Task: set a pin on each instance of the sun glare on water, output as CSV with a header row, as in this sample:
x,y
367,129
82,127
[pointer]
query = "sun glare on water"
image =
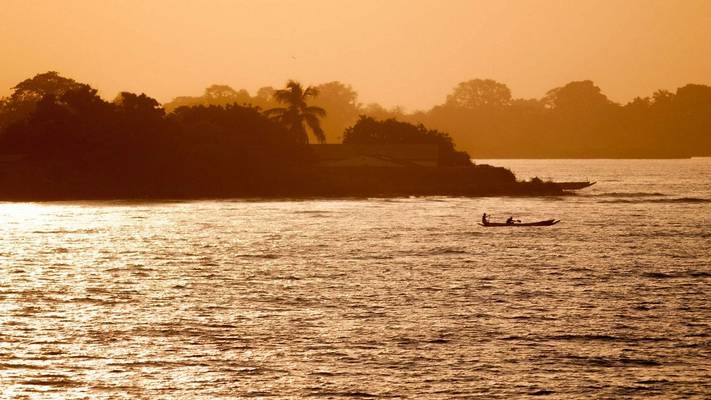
x,y
21,213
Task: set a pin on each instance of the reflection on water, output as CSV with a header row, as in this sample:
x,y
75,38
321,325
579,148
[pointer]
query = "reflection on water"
x,y
379,297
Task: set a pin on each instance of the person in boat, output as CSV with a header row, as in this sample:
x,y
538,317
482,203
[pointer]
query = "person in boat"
x,y
484,219
510,221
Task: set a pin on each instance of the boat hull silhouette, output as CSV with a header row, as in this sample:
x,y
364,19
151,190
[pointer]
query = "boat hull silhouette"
x,y
547,222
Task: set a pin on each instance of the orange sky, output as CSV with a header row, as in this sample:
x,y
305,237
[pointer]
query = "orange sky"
x,y
395,52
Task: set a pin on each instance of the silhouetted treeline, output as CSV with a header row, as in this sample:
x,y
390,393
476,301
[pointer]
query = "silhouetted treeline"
x,y
576,120
60,139
339,100
74,143
370,131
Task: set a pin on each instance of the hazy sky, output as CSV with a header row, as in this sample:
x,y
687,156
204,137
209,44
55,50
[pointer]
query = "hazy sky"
x,y
395,52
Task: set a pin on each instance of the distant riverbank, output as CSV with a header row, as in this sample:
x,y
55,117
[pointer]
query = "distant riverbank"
x,y
477,180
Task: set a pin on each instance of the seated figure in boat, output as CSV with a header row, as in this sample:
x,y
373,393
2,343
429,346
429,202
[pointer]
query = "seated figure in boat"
x,y
484,219
511,221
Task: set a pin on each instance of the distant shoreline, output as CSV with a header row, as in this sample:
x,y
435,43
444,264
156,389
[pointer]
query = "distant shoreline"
x,y
587,158
166,200
304,183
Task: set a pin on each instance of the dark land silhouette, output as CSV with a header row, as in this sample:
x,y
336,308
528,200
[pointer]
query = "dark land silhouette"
x,y
60,140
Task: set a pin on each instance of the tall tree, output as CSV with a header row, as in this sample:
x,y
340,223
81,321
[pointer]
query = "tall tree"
x,y
479,92
29,92
370,131
139,104
33,89
341,101
578,95
297,114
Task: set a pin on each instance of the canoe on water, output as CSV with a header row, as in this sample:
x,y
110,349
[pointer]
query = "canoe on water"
x,y
547,222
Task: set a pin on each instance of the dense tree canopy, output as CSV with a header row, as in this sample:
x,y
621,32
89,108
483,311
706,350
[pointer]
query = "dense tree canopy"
x,y
216,95
371,131
70,140
60,139
48,83
575,120
576,95
478,93
27,93
86,146
340,100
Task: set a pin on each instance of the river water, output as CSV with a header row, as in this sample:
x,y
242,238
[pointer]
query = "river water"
x,y
383,298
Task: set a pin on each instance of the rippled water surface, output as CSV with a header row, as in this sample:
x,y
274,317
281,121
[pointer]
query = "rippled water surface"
x,y
404,297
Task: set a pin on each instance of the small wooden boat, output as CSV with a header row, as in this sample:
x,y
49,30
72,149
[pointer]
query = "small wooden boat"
x,y
574,185
547,222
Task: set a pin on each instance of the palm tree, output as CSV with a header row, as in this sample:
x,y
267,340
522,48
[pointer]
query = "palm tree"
x,y
297,114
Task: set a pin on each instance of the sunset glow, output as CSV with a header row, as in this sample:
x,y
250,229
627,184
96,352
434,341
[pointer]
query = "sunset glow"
x,y
355,199
398,52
